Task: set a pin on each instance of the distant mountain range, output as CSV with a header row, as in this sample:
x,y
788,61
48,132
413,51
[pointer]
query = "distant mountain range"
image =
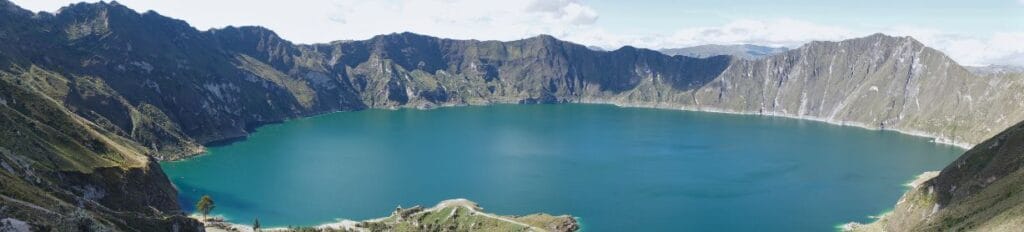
x,y
995,69
92,96
742,51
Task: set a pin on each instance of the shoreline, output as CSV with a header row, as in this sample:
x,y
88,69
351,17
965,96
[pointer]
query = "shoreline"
x,y
664,106
344,224
337,224
225,225
934,138
873,225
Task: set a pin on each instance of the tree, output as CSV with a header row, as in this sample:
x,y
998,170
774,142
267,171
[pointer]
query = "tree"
x,y
205,205
256,225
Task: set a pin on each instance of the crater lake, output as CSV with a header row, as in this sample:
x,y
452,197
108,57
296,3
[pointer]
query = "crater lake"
x,y
616,169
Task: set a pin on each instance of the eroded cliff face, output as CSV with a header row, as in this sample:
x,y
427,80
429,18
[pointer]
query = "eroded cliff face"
x,y
980,191
878,81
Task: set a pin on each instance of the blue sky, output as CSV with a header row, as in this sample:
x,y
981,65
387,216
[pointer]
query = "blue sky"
x,y
972,32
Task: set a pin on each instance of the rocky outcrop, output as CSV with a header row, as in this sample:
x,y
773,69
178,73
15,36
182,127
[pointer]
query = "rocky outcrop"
x,y
449,215
460,215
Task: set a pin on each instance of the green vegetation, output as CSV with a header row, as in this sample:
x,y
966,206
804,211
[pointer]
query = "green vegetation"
x,y
314,229
205,205
450,215
981,191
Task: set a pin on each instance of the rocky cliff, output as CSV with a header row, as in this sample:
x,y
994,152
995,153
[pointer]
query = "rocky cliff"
x,y
93,91
875,82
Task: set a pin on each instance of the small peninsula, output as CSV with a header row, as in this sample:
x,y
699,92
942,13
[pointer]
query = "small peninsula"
x,y
449,215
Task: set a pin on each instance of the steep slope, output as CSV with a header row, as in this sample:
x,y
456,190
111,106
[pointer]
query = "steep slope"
x,y
983,190
742,51
876,82
61,172
187,89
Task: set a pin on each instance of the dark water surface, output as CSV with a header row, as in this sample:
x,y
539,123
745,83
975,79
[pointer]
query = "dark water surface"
x,y
617,169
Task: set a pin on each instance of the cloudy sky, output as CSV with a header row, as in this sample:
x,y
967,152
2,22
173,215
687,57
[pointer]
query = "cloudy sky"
x,y
977,32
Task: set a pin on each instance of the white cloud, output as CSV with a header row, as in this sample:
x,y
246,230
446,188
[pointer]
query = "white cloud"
x,y
565,10
575,21
777,32
1002,48
313,21
463,19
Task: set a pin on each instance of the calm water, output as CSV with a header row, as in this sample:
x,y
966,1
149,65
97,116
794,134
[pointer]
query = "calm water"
x,y
617,169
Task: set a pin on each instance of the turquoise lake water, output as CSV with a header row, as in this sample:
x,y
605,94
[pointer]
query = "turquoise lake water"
x,y
617,169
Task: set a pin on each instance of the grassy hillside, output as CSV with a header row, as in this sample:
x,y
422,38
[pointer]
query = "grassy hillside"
x,y
449,215
983,190
62,172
